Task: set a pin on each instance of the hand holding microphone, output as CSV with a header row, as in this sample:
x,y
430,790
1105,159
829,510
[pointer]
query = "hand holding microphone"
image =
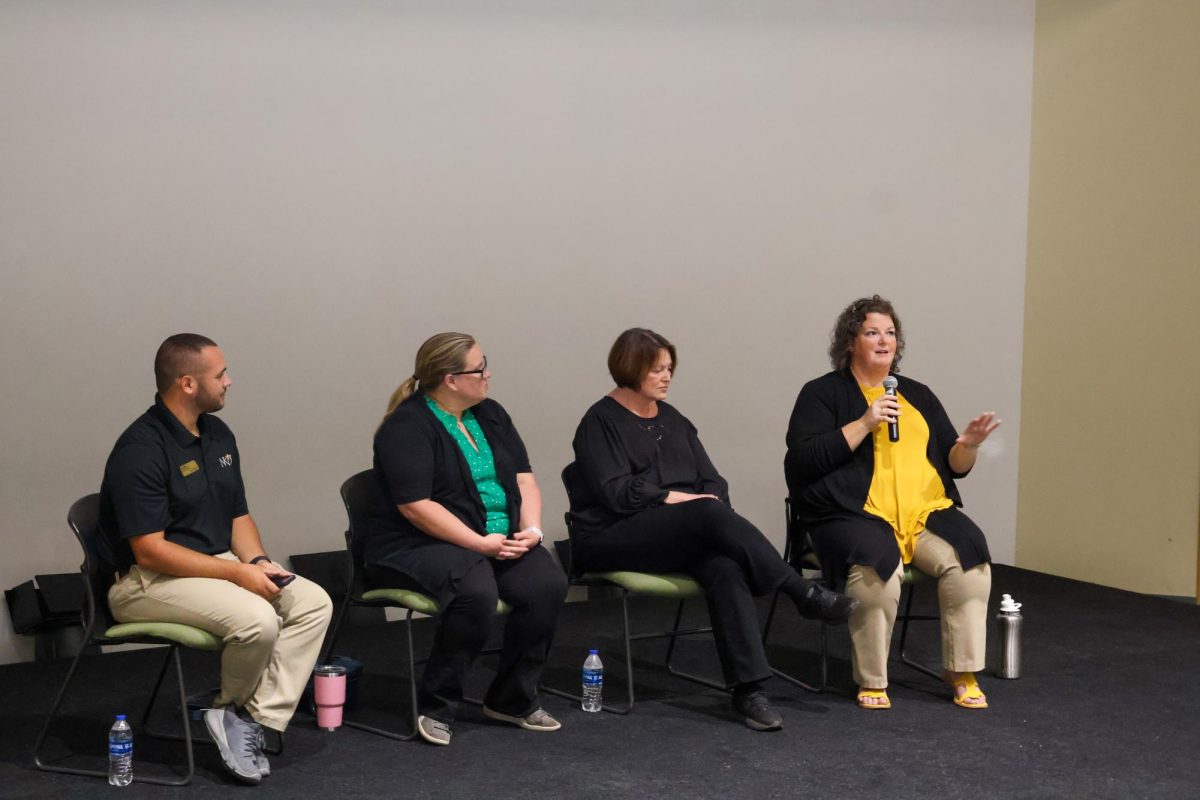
x,y
886,408
889,390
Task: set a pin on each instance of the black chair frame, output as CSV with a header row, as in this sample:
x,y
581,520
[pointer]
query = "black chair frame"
x,y
577,578
629,638
799,552
359,492
84,521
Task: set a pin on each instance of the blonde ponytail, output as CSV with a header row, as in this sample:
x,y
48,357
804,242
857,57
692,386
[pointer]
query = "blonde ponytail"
x,y
439,356
402,393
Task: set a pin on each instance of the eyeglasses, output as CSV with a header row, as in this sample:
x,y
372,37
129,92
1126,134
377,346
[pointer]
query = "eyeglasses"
x,y
479,371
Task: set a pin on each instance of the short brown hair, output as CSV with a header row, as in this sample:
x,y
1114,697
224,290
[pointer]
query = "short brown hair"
x,y
177,356
634,354
850,322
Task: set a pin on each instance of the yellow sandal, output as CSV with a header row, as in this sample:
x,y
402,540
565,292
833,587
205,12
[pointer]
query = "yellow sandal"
x,y
971,691
873,694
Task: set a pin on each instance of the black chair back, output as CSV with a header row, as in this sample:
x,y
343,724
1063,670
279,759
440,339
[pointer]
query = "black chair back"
x,y
360,494
794,533
798,549
570,477
96,570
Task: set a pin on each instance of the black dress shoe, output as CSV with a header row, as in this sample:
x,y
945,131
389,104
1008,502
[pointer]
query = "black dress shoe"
x,y
821,603
755,710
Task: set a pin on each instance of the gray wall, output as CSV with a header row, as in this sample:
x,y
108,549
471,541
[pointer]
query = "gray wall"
x,y
319,186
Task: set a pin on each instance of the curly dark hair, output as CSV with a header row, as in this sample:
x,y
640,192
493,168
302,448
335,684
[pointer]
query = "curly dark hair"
x,y
849,323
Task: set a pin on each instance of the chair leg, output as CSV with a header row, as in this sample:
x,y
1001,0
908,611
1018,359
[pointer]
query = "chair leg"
x,y
335,631
37,748
909,616
687,676
792,679
412,692
628,639
629,690
144,723
273,749
172,655
138,778
629,695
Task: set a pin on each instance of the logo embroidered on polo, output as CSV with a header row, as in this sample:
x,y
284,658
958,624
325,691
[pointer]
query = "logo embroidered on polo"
x,y
189,468
226,460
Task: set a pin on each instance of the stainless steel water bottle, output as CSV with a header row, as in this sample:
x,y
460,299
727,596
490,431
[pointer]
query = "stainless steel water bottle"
x,y
1008,621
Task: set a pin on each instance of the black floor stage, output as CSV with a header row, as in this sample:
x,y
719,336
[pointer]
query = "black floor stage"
x,y
1107,708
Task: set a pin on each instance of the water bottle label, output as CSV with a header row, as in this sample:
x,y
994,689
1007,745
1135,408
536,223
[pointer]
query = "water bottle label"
x,y
119,749
593,678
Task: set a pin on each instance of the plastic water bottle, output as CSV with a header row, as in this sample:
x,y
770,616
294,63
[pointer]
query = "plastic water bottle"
x,y
120,753
593,682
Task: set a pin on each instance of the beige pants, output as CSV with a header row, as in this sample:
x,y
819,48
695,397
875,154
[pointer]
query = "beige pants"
x,y
270,646
962,597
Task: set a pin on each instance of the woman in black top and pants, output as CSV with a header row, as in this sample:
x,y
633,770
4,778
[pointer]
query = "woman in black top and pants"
x,y
459,519
646,497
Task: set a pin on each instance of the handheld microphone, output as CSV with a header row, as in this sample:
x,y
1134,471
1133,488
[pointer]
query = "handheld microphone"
x,y
889,388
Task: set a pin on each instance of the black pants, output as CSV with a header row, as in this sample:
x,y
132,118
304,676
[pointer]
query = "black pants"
x,y
535,587
723,551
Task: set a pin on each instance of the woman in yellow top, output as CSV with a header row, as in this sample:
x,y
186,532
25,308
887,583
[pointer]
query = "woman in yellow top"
x,y
871,504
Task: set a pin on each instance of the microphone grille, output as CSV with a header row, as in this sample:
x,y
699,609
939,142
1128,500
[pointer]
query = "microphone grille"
x,y
890,382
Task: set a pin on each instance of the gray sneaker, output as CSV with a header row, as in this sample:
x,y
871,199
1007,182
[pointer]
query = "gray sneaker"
x,y
238,742
260,753
537,720
433,731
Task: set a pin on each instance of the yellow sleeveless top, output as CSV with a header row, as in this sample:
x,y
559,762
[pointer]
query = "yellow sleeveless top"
x,y
905,488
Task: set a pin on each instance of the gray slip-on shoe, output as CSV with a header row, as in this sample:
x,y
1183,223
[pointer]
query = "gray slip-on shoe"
x,y
537,720
433,731
238,742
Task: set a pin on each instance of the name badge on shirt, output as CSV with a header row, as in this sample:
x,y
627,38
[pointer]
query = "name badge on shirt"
x,y
189,468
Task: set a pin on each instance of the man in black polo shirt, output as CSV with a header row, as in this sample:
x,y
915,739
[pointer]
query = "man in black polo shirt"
x,y
173,509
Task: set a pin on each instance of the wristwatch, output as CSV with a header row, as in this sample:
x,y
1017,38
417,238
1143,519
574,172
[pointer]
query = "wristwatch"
x,y
538,531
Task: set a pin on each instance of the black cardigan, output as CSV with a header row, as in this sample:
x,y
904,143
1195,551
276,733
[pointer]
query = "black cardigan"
x,y
417,459
625,464
828,482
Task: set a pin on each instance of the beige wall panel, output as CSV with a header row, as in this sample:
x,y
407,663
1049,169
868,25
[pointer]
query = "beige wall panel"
x,y
1110,447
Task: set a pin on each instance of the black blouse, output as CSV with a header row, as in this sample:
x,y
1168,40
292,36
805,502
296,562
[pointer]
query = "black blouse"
x,y
417,459
625,463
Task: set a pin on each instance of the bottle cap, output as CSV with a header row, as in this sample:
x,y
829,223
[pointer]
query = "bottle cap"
x,y
593,652
1007,606
121,717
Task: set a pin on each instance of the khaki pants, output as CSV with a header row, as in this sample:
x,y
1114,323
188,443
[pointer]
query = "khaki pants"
x,y
270,646
962,597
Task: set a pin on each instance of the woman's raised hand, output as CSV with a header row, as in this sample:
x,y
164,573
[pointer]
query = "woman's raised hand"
x,y
978,430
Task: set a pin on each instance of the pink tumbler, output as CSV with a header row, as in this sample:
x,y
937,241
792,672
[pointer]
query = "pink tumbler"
x,y
329,690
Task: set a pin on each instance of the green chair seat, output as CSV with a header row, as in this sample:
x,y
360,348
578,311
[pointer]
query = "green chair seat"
x,y
185,635
421,603
653,584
